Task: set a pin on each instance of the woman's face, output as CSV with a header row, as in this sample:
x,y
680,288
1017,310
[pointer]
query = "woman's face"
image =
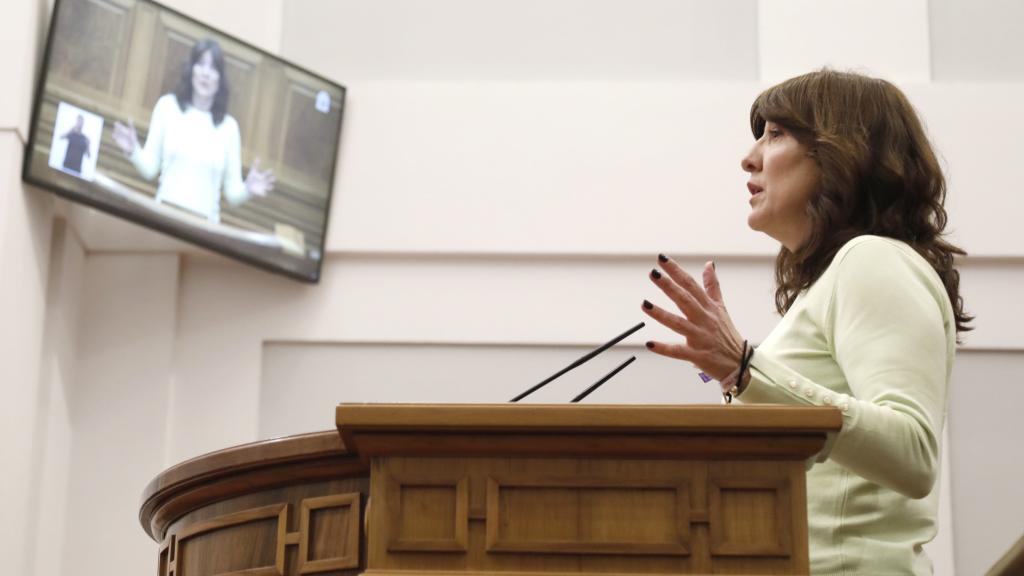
x,y
782,179
205,78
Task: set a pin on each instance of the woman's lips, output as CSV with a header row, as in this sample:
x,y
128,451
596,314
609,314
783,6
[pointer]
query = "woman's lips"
x,y
755,191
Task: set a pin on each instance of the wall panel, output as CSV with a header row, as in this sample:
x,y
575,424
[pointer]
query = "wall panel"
x,y
561,40
888,39
117,409
976,41
985,428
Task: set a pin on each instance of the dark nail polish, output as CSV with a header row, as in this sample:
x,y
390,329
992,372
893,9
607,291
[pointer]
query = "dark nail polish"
x,y
650,345
662,258
713,267
648,305
655,274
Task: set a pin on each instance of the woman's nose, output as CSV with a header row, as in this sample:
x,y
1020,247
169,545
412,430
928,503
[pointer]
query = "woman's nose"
x,y
751,161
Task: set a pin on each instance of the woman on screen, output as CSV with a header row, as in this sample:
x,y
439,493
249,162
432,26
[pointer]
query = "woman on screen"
x,y
842,175
193,143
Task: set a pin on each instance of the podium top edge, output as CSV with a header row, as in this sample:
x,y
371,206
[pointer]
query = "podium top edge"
x,y
590,417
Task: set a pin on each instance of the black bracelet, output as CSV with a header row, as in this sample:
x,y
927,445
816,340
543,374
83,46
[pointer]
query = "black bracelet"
x,y
744,366
735,387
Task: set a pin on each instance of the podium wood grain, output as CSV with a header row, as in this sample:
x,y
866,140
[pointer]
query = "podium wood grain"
x,y
533,489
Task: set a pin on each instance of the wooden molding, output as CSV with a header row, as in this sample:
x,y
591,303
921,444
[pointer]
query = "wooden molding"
x,y
680,445
594,418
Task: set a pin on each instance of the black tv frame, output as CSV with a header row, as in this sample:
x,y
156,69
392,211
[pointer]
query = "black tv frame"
x,y
157,224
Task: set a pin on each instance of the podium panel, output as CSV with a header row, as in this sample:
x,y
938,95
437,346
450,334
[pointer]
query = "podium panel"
x,y
573,516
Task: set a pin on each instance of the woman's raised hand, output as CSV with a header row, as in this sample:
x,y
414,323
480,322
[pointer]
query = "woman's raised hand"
x,y
259,182
125,137
712,343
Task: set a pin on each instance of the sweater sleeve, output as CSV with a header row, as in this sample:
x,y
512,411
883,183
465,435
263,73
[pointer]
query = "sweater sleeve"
x,y
234,186
147,158
884,324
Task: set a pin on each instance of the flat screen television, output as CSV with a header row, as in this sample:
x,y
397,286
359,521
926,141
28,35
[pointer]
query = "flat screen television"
x,y
147,114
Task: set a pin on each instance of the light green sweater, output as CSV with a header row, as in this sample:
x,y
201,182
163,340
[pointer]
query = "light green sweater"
x,y
874,336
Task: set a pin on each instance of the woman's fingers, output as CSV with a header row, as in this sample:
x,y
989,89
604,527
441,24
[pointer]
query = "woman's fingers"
x,y
671,321
259,182
711,285
683,279
712,342
678,351
685,300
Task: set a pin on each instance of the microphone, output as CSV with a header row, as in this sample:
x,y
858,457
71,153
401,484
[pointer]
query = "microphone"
x,y
580,361
606,378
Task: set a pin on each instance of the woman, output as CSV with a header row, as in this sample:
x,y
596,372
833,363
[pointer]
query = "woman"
x,y
193,143
843,176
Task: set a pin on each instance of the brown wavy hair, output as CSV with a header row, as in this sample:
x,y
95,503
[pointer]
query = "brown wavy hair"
x,y
879,175
183,91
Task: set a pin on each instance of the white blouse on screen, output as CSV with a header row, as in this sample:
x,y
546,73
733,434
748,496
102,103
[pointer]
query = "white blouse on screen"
x,y
196,160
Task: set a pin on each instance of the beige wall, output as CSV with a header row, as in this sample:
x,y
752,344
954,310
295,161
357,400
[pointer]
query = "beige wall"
x,y
25,221
508,170
25,234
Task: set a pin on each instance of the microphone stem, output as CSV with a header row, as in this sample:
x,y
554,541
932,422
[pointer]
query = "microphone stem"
x,y
606,378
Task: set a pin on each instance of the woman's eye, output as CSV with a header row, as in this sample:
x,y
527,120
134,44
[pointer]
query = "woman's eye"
x,y
774,133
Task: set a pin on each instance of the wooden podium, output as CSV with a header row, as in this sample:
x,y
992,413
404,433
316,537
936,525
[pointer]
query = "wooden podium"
x,y
528,489
509,490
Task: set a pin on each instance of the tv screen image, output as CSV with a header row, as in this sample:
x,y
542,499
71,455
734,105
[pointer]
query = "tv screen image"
x,y
75,144
150,115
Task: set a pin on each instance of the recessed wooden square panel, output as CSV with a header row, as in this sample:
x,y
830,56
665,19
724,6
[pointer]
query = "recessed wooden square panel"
x,y
587,516
428,515
329,533
750,517
329,530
